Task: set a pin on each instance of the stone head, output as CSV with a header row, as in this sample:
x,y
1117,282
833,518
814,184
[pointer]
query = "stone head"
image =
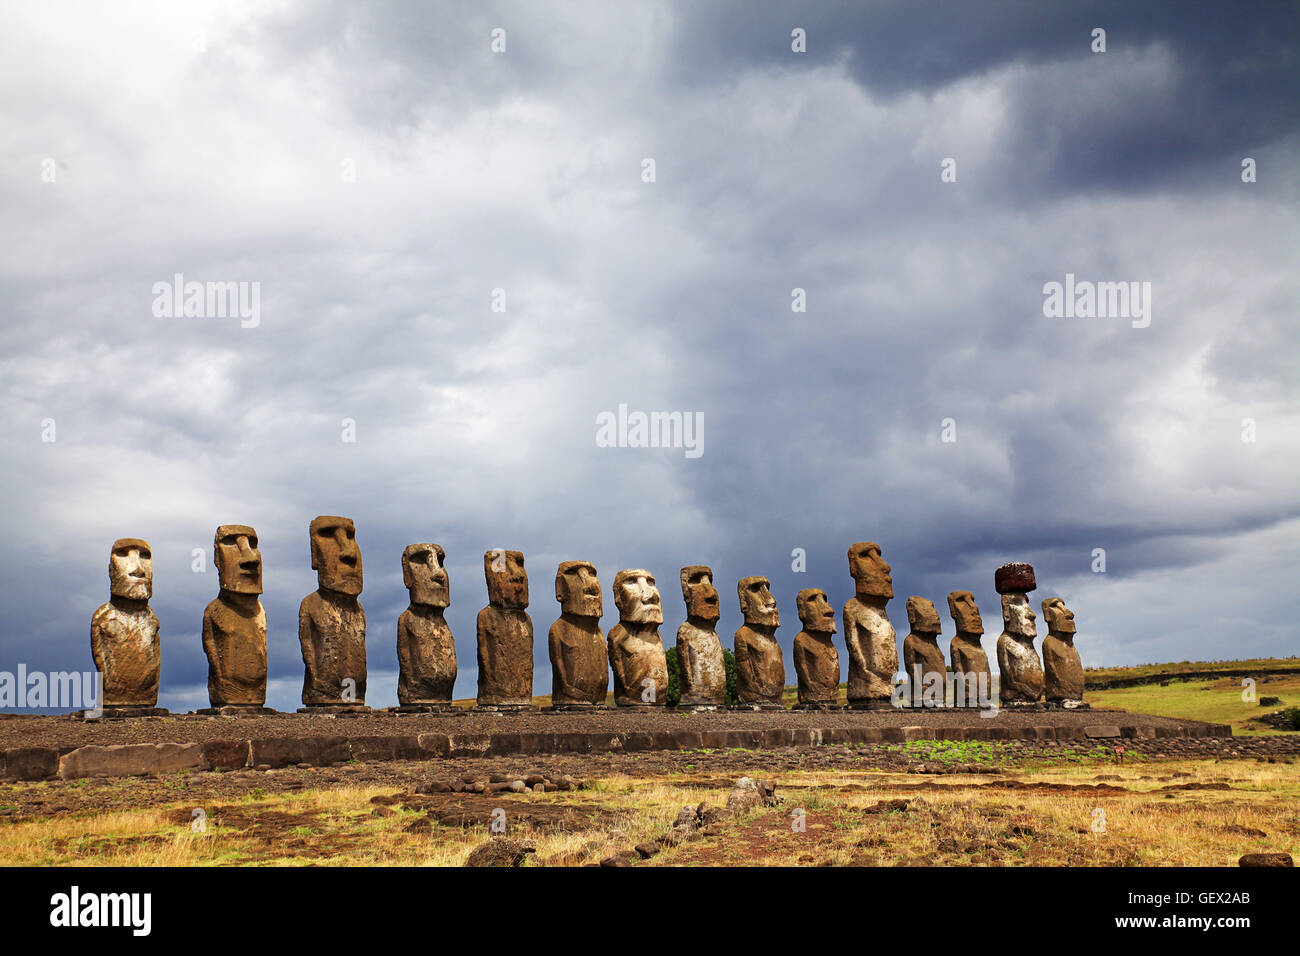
x,y
1059,617
335,557
1018,617
815,611
238,561
699,593
965,613
637,597
869,571
130,569
424,572
922,616
757,603
578,589
507,580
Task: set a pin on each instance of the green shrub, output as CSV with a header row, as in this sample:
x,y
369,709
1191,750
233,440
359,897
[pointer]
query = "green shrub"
x,y
729,660
674,677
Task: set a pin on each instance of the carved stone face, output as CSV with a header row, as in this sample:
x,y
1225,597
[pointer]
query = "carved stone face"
x,y
699,593
1017,616
961,605
507,581
922,616
239,563
424,572
815,611
1059,617
335,557
757,603
869,571
578,589
130,569
637,597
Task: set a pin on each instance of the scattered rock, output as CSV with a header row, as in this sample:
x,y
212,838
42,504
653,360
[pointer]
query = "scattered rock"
x,y
500,851
1266,859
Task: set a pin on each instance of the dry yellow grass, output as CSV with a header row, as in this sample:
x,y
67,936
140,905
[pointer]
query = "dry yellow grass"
x,y
1044,817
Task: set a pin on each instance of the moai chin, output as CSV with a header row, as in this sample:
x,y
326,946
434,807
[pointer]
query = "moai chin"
x,y
505,635
636,652
234,624
816,661
426,650
699,649
579,666
331,621
1020,674
970,664
1063,668
760,667
927,672
868,635
124,634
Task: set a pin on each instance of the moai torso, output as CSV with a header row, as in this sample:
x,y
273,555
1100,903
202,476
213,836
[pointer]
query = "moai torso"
x,y
1020,673
636,652
760,666
505,634
234,623
579,662
966,653
331,621
1063,669
124,632
699,650
816,661
868,635
426,650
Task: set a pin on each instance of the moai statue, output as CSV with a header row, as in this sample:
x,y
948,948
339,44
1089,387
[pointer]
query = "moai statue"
x,y
868,635
505,636
926,671
234,626
426,650
124,635
1020,674
636,653
579,666
704,671
760,667
816,661
969,662
331,621
1064,669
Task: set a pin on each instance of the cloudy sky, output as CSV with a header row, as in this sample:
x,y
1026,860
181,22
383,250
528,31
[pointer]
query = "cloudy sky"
x,y
379,171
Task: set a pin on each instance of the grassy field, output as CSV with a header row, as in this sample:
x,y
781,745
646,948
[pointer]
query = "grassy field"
x,y
1218,701
1084,811
1256,665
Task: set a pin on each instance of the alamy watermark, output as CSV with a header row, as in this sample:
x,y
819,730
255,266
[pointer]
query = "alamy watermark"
x,y
47,690
208,300
1085,299
626,429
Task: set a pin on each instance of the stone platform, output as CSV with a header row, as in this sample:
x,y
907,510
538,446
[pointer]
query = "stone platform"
x,y
39,748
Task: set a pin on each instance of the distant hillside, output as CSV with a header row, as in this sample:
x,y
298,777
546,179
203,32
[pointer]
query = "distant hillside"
x,y
1099,678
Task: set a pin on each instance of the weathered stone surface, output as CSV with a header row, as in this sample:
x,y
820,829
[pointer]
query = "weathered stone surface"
x,y
124,632
331,621
1062,667
30,763
1020,673
636,652
1015,578
699,650
426,650
500,851
816,661
376,747
1102,730
969,660
505,634
283,751
234,624
868,636
579,658
130,760
760,665
227,754
749,793
1266,859
923,660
